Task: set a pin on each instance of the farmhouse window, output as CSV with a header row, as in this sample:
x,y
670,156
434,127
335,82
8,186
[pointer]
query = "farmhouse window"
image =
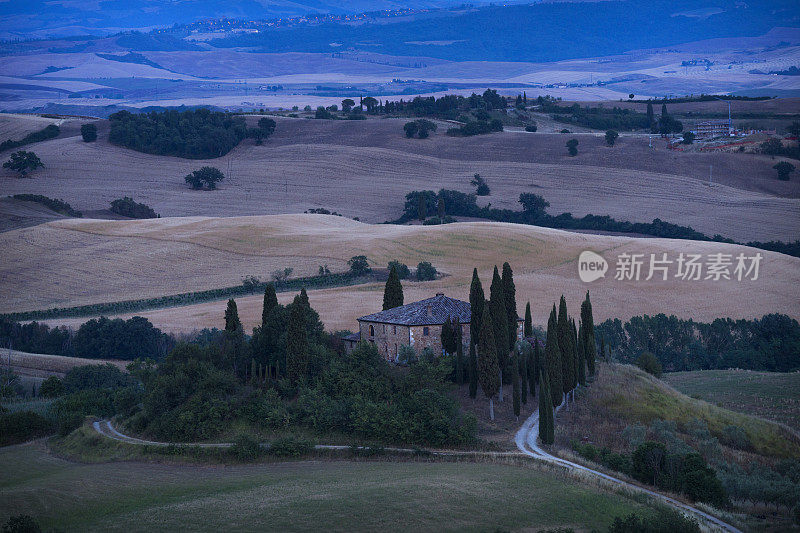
x,y
426,330
371,331
394,330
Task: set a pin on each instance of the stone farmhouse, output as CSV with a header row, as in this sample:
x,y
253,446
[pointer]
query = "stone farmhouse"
x,y
417,324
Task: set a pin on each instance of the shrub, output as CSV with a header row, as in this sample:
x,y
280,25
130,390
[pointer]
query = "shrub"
x,y
69,422
128,208
784,168
402,269
649,363
52,387
688,138
21,523
359,266
106,376
531,128
572,147
611,137
425,271
290,447
206,176
245,448
89,132
22,426
666,521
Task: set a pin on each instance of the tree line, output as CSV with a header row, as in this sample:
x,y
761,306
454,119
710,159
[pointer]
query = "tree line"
x,y
59,206
48,132
456,203
770,343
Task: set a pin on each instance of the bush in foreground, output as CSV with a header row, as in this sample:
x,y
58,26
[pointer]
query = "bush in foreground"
x,y
22,426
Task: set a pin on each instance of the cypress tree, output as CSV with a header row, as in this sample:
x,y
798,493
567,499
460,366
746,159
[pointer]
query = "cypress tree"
x,y
441,211
664,113
422,208
270,303
528,332
581,358
472,370
488,368
393,292
602,347
232,323
552,358
564,333
546,421
534,366
524,354
296,342
460,363
575,356
253,371
515,383
510,295
499,314
650,116
476,302
589,345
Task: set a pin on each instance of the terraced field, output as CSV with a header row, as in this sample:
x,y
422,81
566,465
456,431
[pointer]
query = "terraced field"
x,y
76,262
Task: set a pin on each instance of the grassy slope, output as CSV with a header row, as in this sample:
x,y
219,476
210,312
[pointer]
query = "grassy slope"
x,y
99,261
770,395
342,496
624,395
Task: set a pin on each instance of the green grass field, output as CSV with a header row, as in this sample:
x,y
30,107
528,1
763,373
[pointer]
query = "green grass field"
x,y
296,496
771,395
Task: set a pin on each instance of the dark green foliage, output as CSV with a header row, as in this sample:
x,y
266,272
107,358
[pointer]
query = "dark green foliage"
x,y
528,327
245,448
193,134
266,127
488,365
89,132
611,137
499,314
784,168
724,343
420,128
476,302
589,343
59,206
546,420
21,523
23,162
688,137
48,132
552,360
128,208
461,363
531,128
403,272
533,205
52,387
393,291
515,383
104,338
426,271
85,377
565,347
207,177
22,426
289,447
359,266
422,206
449,335
596,118
604,456
481,187
476,127
535,366
472,371
297,343
666,521
581,355
524,356
572,147
510,296
649,363
270,303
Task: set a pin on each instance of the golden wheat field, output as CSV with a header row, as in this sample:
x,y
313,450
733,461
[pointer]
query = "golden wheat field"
x,y
365,168
74,262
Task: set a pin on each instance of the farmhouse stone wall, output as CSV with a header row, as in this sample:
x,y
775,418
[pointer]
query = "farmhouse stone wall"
x,y
388,338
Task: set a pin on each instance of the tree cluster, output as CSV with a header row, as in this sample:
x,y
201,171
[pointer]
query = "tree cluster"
x,y
420,127
193,134
23,162
206,177
127,207
48,132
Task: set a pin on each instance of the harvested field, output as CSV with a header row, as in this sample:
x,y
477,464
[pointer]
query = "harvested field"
x,y
310,163
19,214
96,261
40,365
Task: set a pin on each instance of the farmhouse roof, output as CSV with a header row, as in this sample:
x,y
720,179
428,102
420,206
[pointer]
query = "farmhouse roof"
x,y
426,312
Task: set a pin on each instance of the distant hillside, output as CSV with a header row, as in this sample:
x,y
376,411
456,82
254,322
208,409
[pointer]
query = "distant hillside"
x,y
540,32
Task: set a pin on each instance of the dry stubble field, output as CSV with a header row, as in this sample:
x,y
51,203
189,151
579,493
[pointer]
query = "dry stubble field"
x,y
74,262
364,169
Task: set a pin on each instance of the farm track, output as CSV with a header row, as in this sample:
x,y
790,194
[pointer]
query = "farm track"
x,y
525,440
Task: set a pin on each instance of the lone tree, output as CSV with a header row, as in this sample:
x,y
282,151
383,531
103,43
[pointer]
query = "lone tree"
x,y
784,168
476,302
233,348
359,266
481,187
89,132
552,357
347,105
611,137
488,368
411,128
393,292
528,328
205,177
23,162
572,147
266,127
